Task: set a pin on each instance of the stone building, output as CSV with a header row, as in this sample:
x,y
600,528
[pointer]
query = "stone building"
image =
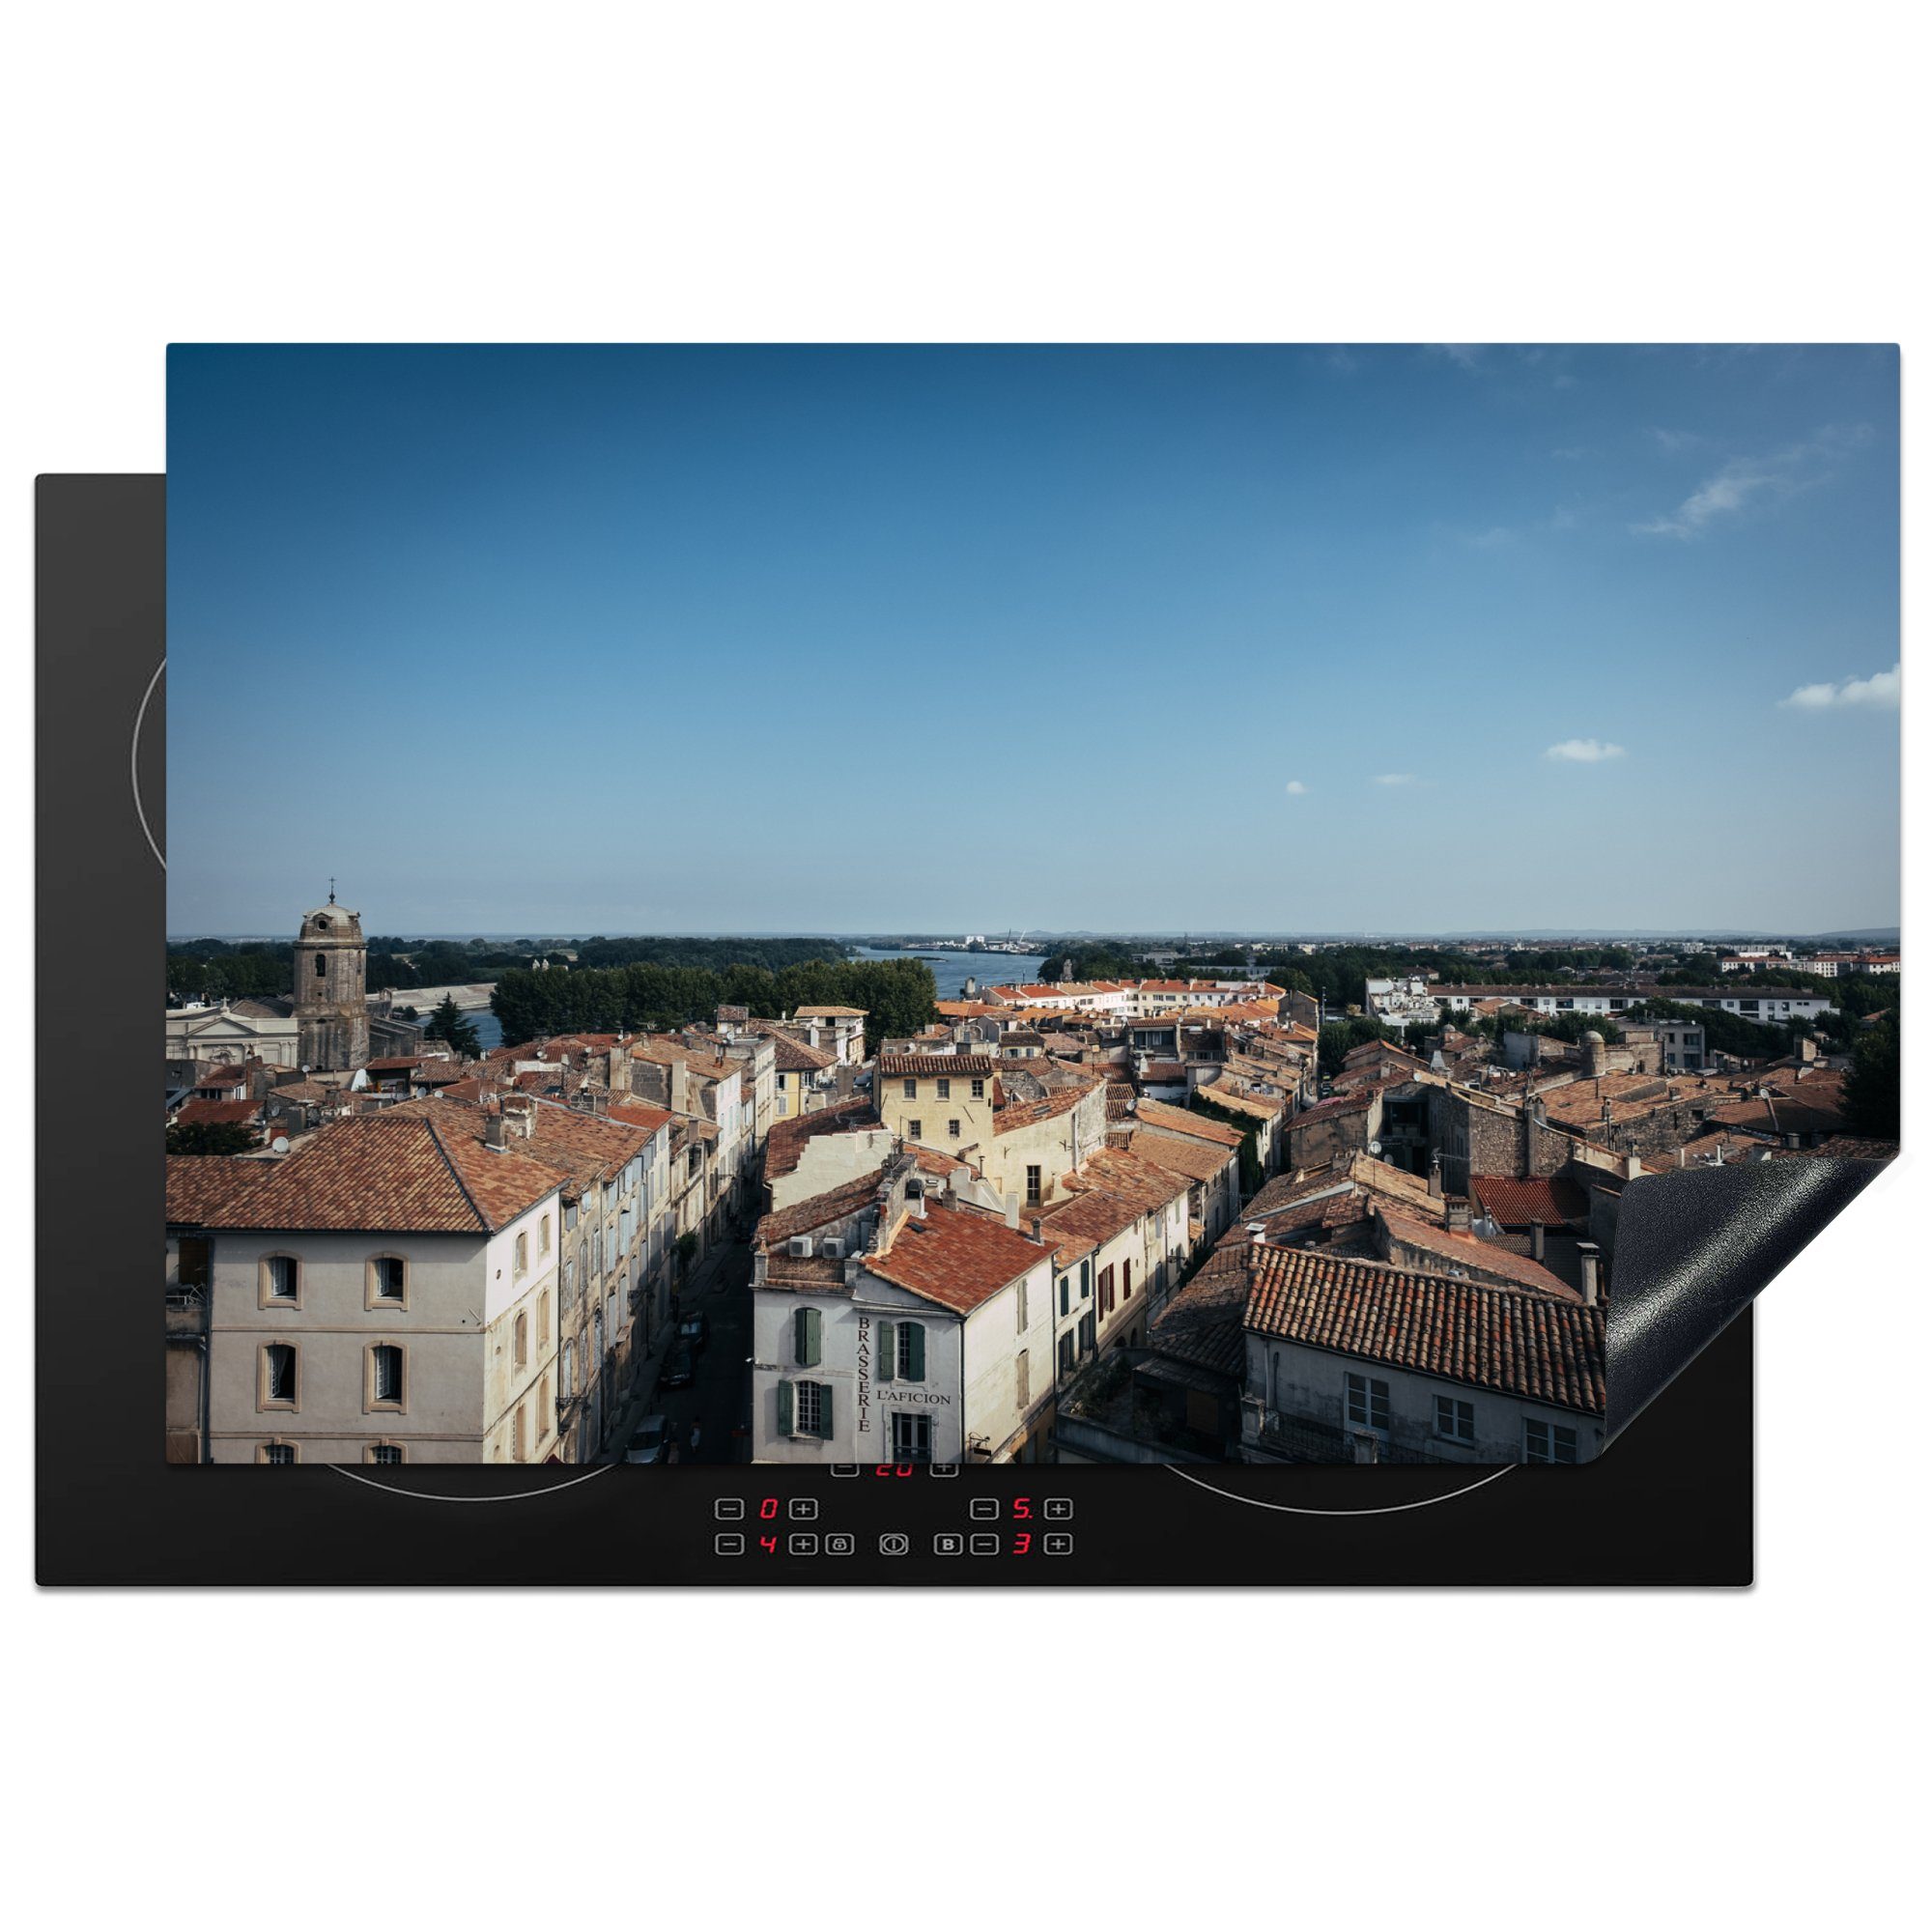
x,y
332,973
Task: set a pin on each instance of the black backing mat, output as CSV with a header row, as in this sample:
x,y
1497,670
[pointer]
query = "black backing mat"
x,y
1671,1503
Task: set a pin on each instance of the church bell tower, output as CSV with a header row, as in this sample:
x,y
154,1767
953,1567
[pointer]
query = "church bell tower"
x,y
331,983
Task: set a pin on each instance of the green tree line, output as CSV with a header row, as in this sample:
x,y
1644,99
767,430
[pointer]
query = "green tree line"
x,y
897,995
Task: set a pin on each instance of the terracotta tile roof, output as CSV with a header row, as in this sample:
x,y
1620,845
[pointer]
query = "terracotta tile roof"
x,y
640,1114
1813,1105
221,1113
1116,1171
1178,1121
1019,1114
1466,1251
395,1171
582,1147
838,1203
203,1187
1516,1203
1090,1219
784,1145
1198,1160
793,1056
955,1257
1203,1325
438,1074
1261,1106
1531,1345
936,1065
830,1013
399,1063
931,1162
1328,1110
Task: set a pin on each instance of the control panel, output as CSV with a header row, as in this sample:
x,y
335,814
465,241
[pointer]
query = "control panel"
x,y
898,1523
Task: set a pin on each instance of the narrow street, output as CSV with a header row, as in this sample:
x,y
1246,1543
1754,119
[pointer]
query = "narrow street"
x,y
719,1400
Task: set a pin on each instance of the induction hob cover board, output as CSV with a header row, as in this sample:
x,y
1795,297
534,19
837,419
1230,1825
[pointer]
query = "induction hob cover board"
x,y
962,965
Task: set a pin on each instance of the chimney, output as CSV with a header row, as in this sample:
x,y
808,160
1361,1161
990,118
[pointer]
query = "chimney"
x,y
492,1130
1456,1208
680,1087
1680,1158
1588,1254
1037,1224
1536,1240
1436,1176
1791,1140
1257,1235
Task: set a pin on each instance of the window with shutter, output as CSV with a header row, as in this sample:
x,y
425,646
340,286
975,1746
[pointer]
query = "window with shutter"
x,y
825,1413
885,1361
806,1323
784,1408
912,1352
1022,1378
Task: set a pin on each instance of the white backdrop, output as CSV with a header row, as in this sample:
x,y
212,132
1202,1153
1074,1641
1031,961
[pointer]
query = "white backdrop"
x,y
832,172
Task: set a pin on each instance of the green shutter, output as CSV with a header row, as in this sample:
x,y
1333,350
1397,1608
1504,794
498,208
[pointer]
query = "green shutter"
x,y
886,1363
915,1334
805,1337
825,1411
784,1408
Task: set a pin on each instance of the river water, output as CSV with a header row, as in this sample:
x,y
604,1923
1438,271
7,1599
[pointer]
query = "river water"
x,y
951,970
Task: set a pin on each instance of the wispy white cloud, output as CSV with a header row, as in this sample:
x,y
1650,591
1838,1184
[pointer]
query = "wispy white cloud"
x,y
1747,481
1583,752
1395,778
1464,355
1877,693
1674,440
1295,788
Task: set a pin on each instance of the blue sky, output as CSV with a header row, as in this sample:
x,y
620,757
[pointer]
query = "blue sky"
x,y
1280,640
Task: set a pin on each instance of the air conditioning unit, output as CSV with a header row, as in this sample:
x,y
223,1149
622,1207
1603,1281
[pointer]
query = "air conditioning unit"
x,y
832,1248
799,1245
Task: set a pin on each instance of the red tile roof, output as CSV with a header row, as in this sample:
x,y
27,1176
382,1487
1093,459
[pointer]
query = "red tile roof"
x,y
640,1114
1201,1325
1178,1121
1531,1345
394,1171
1198,1160
584,1148
955,1257
1467,1251
838,1203
936,1065
221,1113
1516,1203
784,1145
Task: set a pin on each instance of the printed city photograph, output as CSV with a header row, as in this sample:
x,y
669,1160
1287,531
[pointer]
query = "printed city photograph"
x,y
971,905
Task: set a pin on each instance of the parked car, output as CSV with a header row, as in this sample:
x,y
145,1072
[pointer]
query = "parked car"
x,y
680,1365
650,1440
694,1331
